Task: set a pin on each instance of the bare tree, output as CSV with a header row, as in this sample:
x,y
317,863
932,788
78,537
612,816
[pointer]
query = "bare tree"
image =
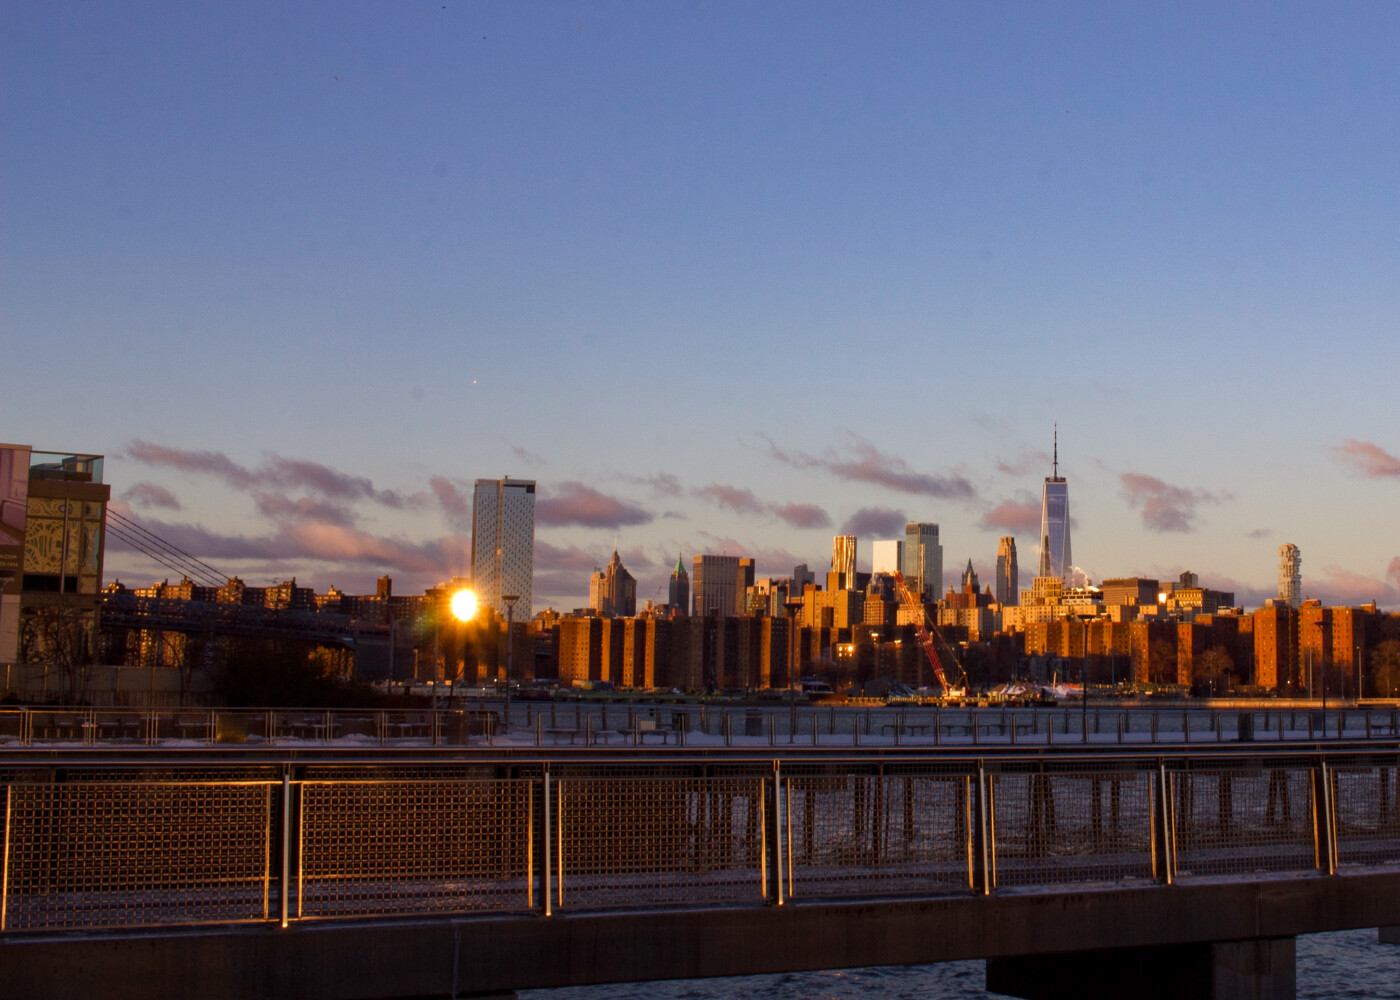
x,y
1214,671
61,637
1385,668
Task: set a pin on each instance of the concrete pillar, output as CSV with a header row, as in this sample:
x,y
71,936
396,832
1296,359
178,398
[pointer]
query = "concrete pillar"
x,y
1263,969
1388,935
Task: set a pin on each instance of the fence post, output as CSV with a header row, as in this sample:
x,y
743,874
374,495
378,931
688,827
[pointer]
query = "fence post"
x,y
982,839
5,864
547,835
1324,819
1164,832
285,890
775,847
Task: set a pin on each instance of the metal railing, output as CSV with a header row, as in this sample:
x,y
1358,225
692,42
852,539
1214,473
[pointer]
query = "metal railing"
x,y
93,845
542,724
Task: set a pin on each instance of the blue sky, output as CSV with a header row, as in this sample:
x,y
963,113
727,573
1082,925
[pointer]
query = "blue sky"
x,y
719,276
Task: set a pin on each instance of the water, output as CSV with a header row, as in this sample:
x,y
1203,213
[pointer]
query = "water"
x,y
1346,965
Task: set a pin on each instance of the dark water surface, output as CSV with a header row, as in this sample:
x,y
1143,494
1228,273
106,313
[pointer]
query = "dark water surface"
x,y
1347,964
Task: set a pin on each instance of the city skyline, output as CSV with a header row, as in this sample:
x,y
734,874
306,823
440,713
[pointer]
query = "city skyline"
x,y
305,277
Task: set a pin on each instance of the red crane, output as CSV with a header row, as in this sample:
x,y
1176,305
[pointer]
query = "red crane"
x,y
925,639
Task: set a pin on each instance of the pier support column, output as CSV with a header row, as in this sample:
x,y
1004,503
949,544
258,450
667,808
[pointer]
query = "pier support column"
x,y
1388,935
1262,969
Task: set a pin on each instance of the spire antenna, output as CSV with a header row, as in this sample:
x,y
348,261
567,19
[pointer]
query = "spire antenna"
x,y
1056,473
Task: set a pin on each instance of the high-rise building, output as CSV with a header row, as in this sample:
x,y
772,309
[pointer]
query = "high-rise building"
x,y
923,560
1055,558
713,581
969,579
1290,575
613,592
887,557
1008,576
843,560
679,594
503,543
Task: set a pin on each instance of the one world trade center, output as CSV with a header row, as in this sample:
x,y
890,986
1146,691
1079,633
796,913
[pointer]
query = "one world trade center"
x,y
1055,559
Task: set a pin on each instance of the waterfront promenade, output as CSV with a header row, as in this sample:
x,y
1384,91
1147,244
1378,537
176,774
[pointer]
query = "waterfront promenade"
x,y
359,871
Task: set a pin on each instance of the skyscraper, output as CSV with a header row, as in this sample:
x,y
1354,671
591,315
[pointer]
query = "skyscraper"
x,y
1055,558
714,579
613,592
678,596
1290,575
503,543
1008,576
843,559
887,557
923,560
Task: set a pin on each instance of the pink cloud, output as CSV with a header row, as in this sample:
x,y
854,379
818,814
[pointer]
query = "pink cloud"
x,y
1165,508
284,508
1339,586
453,503
1025,463
735,498
881,522
151,495
575,503
802,515
860,461
1367,459
1015,516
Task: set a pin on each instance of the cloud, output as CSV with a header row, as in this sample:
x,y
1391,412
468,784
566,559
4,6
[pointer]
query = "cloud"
x,y
1259,533
882,522
1393,570
1165,508
275,472
662,484
575,503
860,461
571,557
1338,586
528,457
283,508
767,561
148,495
743,501
1024,464
1020,516
802,515
1367,459
735,498
453,503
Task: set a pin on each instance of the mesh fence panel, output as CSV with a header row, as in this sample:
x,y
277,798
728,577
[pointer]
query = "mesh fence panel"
x,y
647,841
1072,826
117,855
878,833
389,847
1368,815
1244,821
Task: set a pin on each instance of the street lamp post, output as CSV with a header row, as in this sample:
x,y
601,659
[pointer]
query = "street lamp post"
x,y
510,600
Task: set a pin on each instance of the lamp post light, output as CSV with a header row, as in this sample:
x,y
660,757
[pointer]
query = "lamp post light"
x,y
510,600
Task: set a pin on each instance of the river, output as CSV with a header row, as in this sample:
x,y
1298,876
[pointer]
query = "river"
x,y
1346,965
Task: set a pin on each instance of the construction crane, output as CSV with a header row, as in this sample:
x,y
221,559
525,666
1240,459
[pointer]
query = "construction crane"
x,y
935,660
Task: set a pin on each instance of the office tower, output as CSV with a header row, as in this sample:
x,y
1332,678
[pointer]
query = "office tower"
x,y
1055,558
1290,575
923,560
1008,576
613,592
887,557
801,577
503,543
713,580
746,575
678,596
843,560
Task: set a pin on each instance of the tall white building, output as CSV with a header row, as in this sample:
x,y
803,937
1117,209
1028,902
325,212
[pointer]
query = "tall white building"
x,y
887,557
923,560
1290,575
503,543
1055,558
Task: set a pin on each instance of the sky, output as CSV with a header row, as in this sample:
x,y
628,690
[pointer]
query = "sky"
x,y
720,277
